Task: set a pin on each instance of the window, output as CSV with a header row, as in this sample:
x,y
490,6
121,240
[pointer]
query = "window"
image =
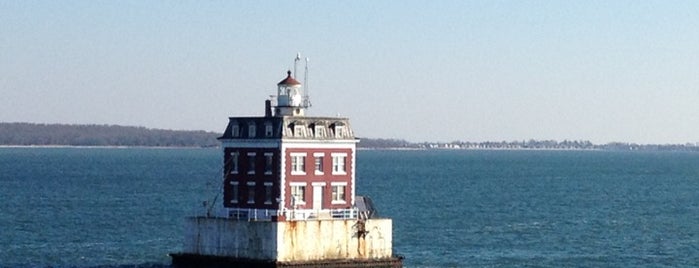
x,y
318,163
299,131
233,163
268,193
339,131
235,131
339,163
251,192
298,194
298,164
234,192
320,131
268,130
251,163
338,195
251,130
268,163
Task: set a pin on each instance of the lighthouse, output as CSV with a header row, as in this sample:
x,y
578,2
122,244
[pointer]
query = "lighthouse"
x,y
286,165
289,194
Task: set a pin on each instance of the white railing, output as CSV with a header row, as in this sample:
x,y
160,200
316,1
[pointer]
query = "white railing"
x,y
290,214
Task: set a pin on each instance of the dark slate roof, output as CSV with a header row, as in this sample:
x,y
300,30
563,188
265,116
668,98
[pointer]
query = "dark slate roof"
x,y
289,127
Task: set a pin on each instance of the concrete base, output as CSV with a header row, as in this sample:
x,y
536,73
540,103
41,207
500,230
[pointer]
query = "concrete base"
x,y
306,241
184,260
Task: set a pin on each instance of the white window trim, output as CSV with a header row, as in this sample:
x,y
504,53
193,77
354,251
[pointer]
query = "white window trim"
x,y
269,130
338,202
339,131
297,172
315,170
268,184
291,185
318,130
335,156
251,183
253,155
299,131
270,155
235,162
252,131
237,194
235,131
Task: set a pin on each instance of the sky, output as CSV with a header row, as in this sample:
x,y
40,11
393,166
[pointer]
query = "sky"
x,y
604,71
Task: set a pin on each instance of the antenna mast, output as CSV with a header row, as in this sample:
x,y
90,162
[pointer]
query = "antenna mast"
x,y
307,99
296,61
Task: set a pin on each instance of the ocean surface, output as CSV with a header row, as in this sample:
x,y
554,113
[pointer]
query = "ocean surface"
x,y
113,207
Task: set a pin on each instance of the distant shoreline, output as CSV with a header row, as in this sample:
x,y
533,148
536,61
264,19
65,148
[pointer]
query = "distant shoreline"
x,y
479,149
30,135
104,147
358,148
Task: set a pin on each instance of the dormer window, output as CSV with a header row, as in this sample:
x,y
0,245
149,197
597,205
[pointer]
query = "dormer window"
x,y
299,131
252,130
339,131
268,130
235,130
320,131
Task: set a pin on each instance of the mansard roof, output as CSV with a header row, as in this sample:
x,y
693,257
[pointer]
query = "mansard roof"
x,y
289,127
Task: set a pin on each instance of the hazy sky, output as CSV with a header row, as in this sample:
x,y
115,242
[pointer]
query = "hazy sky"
x,y
423,71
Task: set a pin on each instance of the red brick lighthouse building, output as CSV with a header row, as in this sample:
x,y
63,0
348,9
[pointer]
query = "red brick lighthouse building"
x,y
289,195
288,164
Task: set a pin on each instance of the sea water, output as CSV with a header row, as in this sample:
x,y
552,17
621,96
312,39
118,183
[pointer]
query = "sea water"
x,y
109,207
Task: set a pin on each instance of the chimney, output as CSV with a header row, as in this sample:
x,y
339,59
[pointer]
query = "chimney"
x,y
268,108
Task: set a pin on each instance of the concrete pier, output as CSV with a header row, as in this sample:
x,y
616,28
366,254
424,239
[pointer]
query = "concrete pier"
x,y
308,243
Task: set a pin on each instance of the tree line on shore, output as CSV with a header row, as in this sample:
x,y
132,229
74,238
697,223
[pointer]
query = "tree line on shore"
x,y
31,134
532,145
